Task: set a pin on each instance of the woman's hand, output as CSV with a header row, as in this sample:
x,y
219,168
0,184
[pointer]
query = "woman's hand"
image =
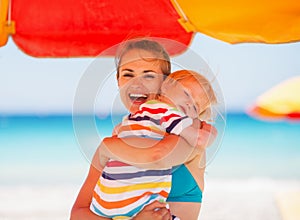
x,y
154,211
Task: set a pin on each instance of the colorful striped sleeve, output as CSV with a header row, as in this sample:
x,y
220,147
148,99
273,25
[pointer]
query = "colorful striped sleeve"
x,y
168,117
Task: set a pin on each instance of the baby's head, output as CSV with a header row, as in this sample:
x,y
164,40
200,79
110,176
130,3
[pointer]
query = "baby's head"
x,y
190,92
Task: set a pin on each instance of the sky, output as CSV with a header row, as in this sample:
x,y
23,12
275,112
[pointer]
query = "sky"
x,y
43,86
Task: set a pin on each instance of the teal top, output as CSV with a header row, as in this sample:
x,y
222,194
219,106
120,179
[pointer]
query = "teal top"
x,y
184,187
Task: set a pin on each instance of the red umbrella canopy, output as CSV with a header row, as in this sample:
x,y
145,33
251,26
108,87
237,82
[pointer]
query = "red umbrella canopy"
x,y
63,28
79,28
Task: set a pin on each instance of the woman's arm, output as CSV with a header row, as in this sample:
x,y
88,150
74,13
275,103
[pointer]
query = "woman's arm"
x,y
185,210
81,208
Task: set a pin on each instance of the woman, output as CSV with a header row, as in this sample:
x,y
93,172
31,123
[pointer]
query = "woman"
x,y
141,68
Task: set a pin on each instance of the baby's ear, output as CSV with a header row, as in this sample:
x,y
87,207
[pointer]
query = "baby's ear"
x,y
163,88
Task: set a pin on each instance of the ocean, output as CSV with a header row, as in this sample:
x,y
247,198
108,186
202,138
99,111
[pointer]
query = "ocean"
x,y
43,166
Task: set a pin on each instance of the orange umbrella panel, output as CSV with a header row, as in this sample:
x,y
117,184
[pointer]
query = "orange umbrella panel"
x,y
7,26
237,21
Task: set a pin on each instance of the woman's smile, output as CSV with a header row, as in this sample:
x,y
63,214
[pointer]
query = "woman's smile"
x,y
137,97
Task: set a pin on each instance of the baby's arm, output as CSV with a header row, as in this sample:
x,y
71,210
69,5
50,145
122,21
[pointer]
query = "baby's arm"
x,y
199,134
170,151
149,153
116,129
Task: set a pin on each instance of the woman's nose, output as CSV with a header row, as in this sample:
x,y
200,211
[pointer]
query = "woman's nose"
x,y
137,82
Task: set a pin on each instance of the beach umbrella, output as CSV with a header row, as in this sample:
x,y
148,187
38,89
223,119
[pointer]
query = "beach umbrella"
x,y
80,28
280,102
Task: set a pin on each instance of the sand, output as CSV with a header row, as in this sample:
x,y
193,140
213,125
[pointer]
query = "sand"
x,y
248,199
34,202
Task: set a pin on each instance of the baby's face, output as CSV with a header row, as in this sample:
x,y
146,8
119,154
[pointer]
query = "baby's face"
x,y
186,99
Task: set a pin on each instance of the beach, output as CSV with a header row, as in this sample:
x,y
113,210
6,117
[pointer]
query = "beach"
x,y
36,202
248,199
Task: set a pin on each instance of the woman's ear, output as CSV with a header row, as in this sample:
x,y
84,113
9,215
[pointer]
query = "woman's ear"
x,y
117,77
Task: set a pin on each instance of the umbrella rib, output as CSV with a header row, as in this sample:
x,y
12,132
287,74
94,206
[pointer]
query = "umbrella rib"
x,y
181,11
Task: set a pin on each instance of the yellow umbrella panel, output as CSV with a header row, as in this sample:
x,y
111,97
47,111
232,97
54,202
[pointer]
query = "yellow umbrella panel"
x,y
280,102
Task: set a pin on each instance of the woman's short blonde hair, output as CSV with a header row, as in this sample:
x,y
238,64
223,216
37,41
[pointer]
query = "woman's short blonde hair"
x,y
158,51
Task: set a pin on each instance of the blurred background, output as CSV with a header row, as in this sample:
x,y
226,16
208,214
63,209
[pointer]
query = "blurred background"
x,y
42,165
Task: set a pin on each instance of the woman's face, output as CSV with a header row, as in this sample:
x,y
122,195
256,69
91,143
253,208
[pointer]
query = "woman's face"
x,y
140,78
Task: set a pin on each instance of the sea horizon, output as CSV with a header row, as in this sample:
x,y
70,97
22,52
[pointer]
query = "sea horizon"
x,y
248,148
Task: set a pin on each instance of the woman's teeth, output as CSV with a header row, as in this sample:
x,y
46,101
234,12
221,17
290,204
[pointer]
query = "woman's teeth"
x,y
137,96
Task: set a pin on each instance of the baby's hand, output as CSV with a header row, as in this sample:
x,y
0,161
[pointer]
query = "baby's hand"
x,y
199,134
206,135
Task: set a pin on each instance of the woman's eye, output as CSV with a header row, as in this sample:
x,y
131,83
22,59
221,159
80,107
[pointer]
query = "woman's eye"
x,y
127,75
149,76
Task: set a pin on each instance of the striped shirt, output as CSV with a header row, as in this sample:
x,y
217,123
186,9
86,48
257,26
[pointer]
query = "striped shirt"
x,y
154,120
123,190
